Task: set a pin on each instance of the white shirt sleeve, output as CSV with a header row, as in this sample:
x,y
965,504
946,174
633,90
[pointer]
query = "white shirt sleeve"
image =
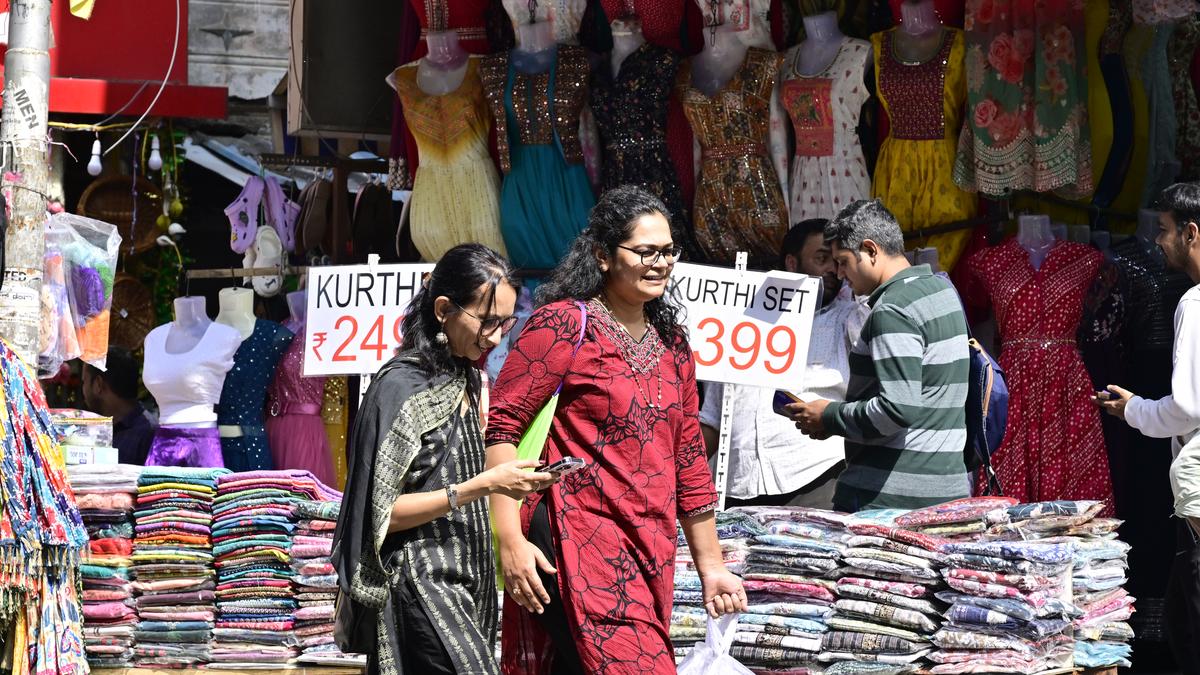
x,y
710,412
1179,413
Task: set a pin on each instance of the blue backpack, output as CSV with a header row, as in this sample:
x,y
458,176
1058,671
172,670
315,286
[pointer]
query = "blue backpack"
x,y
987,414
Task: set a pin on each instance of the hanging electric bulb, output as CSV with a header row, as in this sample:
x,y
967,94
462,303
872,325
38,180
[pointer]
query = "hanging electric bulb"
x,y
155,161
94,166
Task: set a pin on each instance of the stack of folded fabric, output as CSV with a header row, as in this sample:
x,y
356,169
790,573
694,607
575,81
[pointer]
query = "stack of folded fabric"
x,y
886,610
316,583
173,565
1010,608
253,533
104,494
789,579
1098,576
688,617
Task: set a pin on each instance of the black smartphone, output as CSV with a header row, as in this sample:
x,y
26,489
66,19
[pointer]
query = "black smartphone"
x,y
563,467
783,398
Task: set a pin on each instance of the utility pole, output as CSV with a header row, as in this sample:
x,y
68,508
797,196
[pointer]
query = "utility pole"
x,y
23,136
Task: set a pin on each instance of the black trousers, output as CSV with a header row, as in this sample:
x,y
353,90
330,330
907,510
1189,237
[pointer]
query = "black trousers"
x,y
1183,601
417,643
553,619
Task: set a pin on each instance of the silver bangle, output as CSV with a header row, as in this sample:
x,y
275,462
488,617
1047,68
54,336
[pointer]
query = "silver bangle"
x,y
452,495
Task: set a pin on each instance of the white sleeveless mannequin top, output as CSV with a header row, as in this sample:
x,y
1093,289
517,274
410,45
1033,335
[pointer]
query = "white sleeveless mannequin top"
x,y
187,385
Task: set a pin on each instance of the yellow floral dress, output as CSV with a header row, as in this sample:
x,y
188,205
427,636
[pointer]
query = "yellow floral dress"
x,y
914,176
456,192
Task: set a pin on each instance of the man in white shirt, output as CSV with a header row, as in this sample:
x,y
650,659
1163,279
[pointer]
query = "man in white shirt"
x,y
1178,417
771,463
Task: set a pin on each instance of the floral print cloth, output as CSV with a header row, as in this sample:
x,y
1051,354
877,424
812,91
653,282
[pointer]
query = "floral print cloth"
x,y
1026,125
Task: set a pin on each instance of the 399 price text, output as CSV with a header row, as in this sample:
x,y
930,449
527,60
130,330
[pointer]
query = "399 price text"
x,y
744,345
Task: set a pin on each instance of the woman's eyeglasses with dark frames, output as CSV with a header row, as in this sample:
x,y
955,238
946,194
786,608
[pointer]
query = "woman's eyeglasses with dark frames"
x,y
488,326
651,257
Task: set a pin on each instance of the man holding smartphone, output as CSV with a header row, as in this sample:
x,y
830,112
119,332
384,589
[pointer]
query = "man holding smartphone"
x,y
1178,417
771,463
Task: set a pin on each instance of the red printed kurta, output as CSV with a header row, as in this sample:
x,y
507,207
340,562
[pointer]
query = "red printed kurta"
x,y
1054,446
614,522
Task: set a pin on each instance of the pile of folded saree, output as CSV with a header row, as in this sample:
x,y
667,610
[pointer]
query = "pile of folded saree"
x,y
316,583
173,565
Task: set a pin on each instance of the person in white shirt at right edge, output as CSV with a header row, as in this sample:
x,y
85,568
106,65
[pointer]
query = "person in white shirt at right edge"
x,y
1178,417
772,463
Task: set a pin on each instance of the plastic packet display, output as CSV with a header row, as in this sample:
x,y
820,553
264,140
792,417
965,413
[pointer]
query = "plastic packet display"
x,y
59,340
80,427
89,249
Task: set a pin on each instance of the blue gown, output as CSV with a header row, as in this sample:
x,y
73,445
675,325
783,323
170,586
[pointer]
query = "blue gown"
x,y
545,200
244,395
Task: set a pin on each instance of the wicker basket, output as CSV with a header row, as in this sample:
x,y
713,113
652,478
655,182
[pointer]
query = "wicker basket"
x,y
132,313
111,199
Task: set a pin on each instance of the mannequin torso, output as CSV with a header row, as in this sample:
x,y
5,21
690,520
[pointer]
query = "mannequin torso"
x,y
715,66
627,38
535,48
920,34
1147,233
297,302
442,70
821,46
1035,236
190,324
237,310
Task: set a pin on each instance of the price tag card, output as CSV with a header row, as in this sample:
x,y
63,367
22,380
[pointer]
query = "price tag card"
x,y
354,316
749,328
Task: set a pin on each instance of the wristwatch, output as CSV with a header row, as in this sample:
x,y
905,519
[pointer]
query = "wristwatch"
x,y
452,495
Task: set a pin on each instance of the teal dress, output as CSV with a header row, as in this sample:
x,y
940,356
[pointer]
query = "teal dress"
x,y
545,199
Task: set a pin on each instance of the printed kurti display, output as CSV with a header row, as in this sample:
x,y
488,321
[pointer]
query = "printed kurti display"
x,y
1054,447
1187,113
614,522
456,191
914,173
631,116
1027,99
829,170
739,205
546,195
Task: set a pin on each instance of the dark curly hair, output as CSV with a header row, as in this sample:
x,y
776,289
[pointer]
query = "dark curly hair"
x,y
465,274
611,223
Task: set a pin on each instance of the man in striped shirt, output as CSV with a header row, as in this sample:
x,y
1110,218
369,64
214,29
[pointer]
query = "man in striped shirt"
x,y
904,417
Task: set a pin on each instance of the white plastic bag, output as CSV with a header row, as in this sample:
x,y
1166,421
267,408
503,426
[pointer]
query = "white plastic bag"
x,y
711,657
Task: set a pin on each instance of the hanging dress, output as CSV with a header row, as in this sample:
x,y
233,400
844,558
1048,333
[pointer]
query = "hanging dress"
x,y
545,197
295,429
456,191
1054,446
739,205
1187,112
631,117
1116,82
244,395
829,170
914,176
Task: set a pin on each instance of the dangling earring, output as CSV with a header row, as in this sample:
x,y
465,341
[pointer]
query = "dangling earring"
x,y
441,338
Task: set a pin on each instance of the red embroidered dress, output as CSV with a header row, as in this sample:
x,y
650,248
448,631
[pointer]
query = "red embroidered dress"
x,y
614,522
1054,447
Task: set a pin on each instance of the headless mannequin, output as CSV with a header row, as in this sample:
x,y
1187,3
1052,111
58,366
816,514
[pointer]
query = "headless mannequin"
x,y
722,56
535,47
1147,233
443,69
297,302
928,256
1035,237
823,41
1059,230
920,34
237,310
190,324
627,39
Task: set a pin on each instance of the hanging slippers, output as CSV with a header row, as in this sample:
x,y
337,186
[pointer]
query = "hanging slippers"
x,y
268,252
243,215
281,214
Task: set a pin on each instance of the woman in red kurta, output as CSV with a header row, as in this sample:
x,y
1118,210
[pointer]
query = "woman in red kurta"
x,y
629,408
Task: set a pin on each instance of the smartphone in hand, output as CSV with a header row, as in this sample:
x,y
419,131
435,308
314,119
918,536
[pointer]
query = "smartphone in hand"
x,y
563,467
784,398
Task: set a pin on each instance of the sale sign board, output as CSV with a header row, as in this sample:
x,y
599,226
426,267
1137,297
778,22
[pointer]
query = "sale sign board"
x,y
749,328
354,316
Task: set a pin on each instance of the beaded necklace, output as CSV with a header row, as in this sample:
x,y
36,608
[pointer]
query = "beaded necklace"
x,y
643,358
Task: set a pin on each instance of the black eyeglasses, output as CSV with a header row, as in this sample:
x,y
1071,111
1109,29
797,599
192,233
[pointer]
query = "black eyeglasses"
x,y
651,256
489,326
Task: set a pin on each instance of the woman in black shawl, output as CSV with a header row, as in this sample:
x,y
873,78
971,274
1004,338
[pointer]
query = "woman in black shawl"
x,y
413,547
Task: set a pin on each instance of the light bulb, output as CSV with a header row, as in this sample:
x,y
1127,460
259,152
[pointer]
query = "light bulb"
x,y
94,166
155,161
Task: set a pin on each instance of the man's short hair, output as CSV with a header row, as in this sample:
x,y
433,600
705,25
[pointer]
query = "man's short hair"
x,y
799,233
1182,201
121,374
862,220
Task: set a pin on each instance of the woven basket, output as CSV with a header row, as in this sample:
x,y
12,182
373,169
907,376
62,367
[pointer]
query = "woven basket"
x,y
111,199
132,313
